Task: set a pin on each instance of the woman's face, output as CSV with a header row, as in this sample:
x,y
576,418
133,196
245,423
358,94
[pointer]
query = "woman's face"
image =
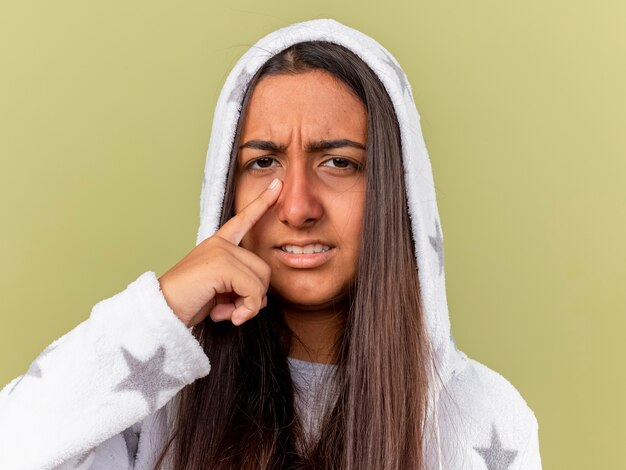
x,y
309,131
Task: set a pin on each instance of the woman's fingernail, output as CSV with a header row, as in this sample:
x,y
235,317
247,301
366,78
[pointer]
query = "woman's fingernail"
x,y
274,183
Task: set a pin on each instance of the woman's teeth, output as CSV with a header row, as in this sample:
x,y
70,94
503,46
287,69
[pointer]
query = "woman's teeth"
x,y
308,249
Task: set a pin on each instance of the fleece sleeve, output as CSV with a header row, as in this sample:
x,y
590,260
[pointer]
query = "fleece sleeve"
x,y
531,458
95,383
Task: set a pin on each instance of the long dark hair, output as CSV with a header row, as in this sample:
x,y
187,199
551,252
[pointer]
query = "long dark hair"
x,y
242,415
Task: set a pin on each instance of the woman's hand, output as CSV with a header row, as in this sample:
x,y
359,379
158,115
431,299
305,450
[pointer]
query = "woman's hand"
x,y
219,278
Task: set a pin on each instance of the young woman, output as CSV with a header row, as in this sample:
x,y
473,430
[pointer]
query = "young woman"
x,y
316,290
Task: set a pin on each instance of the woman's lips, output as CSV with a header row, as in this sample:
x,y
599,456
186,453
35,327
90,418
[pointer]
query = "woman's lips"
x,y
303,260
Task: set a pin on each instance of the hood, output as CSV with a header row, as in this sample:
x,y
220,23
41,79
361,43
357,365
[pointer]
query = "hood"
x,y
422,204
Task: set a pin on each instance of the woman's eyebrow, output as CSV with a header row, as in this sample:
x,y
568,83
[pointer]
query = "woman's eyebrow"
x,y
266,145
332,144
313,146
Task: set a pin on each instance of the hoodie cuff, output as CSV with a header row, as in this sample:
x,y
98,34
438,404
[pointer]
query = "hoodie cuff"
x,y
192,361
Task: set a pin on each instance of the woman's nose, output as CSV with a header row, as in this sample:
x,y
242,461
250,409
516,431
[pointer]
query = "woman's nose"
x,y
299,203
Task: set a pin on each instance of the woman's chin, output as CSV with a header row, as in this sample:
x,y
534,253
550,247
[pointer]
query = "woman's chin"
x,y
308,299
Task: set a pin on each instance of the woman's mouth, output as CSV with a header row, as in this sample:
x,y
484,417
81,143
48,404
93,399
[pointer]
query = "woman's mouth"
x,y
310,255
307,249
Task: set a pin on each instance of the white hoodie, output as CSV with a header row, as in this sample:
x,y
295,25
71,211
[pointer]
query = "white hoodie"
x,y
102,395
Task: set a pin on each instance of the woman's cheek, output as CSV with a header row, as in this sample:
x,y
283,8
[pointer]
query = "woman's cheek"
x,y
342,183
248,188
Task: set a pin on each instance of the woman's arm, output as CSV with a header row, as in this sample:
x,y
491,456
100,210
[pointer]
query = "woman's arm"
x,y
531,458
128,359
133,353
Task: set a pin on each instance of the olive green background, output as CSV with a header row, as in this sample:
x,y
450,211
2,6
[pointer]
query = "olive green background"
x,y
106,110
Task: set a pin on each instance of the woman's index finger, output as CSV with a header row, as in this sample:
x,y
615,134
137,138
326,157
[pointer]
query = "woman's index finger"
x,y
237,227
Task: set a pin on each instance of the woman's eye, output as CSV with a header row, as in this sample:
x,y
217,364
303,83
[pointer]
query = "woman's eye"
x,y
339,162
261,163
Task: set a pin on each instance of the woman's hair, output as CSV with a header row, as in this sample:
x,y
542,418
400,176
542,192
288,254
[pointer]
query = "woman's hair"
x,y
242,415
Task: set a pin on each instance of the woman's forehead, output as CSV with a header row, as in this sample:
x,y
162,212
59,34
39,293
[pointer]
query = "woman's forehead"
x,y
315,105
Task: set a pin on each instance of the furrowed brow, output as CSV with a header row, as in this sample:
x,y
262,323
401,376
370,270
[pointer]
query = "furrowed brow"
x,y
266,145
319,145
313,146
